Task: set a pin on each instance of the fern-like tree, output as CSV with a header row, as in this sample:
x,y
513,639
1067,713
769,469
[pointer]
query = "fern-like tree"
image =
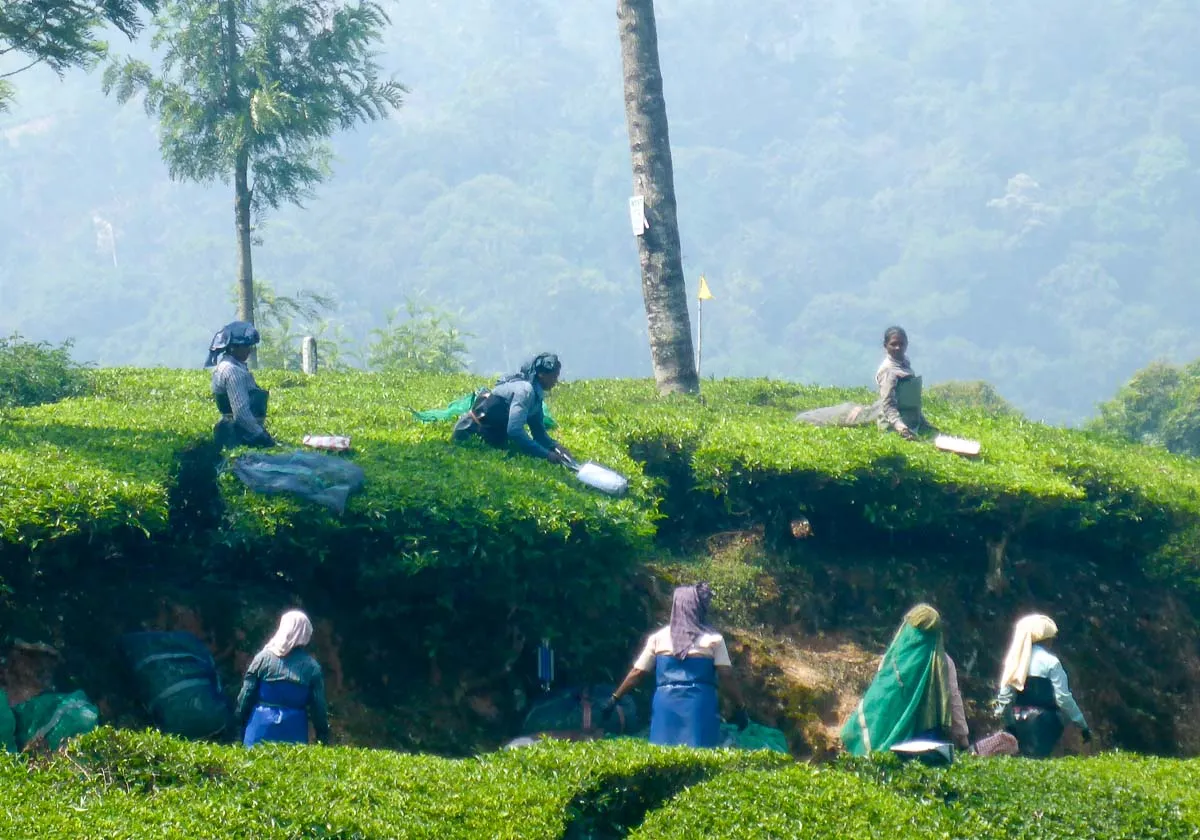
x,y
249,92
427,341
61,34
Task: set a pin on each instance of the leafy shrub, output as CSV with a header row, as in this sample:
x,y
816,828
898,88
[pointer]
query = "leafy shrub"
x,y
1008,797
1159,406
428,340
795,802
106,462
32,373
975,394
143,785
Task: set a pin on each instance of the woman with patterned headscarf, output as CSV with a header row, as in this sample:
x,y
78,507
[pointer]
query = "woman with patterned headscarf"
x,y
1034,694
243,405
687,655
915,691
282,686
502,414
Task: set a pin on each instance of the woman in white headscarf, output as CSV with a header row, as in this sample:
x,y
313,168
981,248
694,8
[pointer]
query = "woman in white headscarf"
x,y
283,685
1034,694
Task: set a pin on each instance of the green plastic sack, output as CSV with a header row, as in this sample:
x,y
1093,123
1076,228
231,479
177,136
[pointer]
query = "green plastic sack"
x,y
8,724
54,717
461,406
753,737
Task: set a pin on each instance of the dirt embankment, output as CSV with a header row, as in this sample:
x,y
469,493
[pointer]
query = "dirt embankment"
x,y
806,624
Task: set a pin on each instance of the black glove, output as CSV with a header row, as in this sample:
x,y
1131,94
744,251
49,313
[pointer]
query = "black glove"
x,y
1086,735
606,711
740,719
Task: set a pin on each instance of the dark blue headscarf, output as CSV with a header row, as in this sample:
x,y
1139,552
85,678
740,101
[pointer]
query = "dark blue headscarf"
x,y
541,363
233,334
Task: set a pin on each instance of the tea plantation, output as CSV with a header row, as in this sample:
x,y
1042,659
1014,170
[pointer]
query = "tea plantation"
x,y
452,561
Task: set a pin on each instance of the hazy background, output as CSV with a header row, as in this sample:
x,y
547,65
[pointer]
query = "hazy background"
x,y
1011,181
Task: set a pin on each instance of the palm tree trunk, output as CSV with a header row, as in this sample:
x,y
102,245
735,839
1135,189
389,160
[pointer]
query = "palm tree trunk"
x,y
241,212
663,287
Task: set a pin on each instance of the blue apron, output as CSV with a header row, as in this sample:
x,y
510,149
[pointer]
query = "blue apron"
x,y
280,714
684,710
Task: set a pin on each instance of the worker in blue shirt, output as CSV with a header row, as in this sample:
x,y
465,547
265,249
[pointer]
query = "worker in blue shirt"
x,y
503,413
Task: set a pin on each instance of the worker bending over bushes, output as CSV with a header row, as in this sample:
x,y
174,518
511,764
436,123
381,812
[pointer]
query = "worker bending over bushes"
x,y
501,414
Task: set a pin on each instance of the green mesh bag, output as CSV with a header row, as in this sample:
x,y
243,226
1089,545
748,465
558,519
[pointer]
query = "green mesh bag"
x,y
54,718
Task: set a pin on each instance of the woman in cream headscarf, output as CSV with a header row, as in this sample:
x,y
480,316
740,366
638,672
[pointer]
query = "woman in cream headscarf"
x,y
282,685
1034,691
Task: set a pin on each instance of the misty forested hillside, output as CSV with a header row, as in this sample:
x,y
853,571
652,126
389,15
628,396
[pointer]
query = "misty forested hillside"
x,y
1013,182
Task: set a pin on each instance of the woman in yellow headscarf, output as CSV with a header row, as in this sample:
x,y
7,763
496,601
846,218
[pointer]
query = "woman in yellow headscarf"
x,y
1034,694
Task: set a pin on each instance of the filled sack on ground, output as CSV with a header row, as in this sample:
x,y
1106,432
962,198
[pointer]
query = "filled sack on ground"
x,y
176,680
53,718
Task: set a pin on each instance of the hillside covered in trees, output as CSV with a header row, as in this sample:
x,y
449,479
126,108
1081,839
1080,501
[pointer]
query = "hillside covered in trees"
x,y
1012,182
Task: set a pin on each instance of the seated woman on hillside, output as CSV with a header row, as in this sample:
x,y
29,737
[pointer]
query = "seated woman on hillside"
x,y
899,404
914,694
243,405
686,655
1034,694
282,686
501,414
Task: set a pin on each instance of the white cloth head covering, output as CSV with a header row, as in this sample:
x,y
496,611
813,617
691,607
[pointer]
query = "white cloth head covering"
x,y
1029,630
295,630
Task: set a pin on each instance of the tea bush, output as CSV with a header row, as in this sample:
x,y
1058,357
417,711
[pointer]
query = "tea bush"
x,y
38,372
142,785
107,462
1109,797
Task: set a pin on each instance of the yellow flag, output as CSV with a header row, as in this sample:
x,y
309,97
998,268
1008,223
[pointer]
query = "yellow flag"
x,y
705,294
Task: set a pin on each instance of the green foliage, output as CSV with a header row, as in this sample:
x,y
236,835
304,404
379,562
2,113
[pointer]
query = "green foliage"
x,y
143,785
1160,406
1109,798
138,785
284,320
270,80
979,395
737,459
38,372
61,34
456,540
428,340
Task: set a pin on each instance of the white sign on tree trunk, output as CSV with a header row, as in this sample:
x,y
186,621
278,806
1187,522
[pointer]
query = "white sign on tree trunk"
x,y
637,215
